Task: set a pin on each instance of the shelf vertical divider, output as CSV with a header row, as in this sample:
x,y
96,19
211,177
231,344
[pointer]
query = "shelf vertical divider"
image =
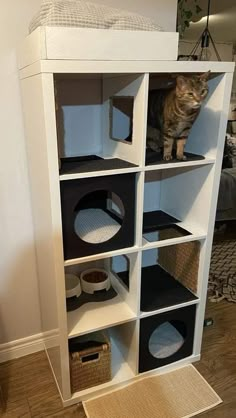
x,y
40,123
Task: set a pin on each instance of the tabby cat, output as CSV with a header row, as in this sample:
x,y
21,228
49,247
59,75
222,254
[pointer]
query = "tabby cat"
x,y
172,112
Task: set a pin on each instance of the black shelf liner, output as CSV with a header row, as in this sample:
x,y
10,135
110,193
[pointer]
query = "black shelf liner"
x,y
157,219
160,290
153,157
174,231
73,165
100,296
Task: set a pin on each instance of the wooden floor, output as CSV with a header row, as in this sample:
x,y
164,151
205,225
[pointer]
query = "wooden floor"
x,y
28,389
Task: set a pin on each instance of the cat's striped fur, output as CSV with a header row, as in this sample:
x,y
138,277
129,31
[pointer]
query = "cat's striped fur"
x,y
172,112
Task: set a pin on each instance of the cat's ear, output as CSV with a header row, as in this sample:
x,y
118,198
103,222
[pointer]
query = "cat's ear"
x,y
181,82
205,76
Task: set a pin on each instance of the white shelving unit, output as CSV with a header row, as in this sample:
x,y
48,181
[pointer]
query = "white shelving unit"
x,y
68,103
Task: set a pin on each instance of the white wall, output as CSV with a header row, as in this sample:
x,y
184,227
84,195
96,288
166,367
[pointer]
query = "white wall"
x,y
19,307
19,304
225,49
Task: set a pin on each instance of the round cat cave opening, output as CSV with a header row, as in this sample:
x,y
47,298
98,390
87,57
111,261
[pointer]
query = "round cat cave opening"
x,y
167,339
99,216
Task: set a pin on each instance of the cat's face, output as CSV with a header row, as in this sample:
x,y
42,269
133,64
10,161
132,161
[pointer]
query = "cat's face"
x,y
192,90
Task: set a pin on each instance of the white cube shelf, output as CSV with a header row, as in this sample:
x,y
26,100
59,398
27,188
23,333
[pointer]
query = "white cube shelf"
x,y
93,312
181,193
89,123
80,103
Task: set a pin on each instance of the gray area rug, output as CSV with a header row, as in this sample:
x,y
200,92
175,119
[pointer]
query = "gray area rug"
x,y
222,276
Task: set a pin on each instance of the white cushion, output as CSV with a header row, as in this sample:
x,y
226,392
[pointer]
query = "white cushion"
x,y
165,341
95,226
76,13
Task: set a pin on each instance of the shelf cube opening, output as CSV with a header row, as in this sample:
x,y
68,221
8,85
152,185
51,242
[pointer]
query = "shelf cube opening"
x,y
92,309
119,282
124,349
175,202
97,215
90,361
169,275
98,121
166,338
103,356
203,138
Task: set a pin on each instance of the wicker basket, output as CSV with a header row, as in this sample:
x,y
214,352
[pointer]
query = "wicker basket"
x,y
182,262
91,365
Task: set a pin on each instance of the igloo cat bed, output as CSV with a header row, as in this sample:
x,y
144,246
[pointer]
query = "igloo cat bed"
x,y
97,215
166,338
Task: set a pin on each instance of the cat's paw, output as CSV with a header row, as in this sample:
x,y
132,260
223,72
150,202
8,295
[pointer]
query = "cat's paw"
x,y
167,157
181,157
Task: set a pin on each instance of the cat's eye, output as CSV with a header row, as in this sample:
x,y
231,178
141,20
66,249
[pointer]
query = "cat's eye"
x,y
190,94
203,91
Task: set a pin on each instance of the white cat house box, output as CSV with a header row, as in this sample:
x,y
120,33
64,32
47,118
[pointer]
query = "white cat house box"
x,y
63,43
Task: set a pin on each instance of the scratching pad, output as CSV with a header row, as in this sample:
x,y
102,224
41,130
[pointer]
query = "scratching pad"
x,y
181,262
181,393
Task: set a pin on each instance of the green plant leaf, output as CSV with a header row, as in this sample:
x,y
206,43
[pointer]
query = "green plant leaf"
x,y
188,14
198,9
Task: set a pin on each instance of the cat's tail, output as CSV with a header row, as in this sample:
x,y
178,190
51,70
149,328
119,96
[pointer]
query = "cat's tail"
x,y
154,139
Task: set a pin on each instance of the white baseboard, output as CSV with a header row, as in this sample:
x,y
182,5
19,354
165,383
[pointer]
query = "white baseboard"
x,y
28,345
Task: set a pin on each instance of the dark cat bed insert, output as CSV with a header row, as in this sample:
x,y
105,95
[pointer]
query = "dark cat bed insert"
x,y
166,338
160,290
73,165
99,296
97,214
153,157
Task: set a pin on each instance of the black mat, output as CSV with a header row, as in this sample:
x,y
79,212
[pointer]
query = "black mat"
x,y
160,290
153,157
174,231
157,218
73,165
100,296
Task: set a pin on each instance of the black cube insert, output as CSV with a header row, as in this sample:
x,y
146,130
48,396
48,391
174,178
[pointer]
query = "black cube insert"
x,y
179,322
108,199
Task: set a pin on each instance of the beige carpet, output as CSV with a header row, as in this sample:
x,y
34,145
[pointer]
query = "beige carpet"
x,y
181,393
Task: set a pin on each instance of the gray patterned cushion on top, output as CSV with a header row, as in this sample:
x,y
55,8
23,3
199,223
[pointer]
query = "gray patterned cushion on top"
x,y
76,13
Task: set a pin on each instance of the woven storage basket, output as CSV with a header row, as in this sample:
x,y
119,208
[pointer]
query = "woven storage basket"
x,y
91,366
181,261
